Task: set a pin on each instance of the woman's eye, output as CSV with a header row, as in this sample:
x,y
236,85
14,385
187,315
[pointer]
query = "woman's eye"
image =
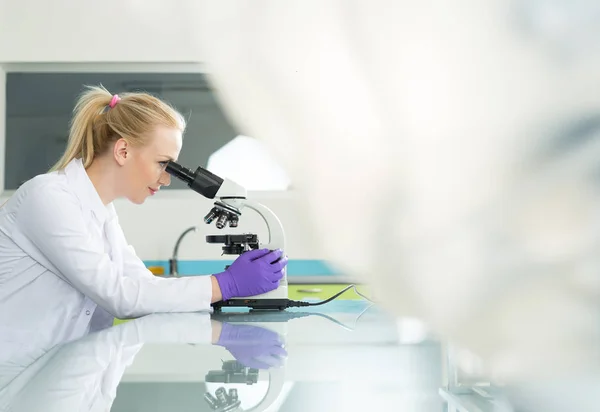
x,y
163,163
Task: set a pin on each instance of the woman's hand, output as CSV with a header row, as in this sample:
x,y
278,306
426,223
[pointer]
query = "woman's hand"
x,y
252,273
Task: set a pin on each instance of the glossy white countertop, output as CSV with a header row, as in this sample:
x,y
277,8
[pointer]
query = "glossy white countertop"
x,y
344,355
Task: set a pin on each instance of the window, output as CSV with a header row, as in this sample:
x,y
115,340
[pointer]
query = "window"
x,y
246,161
39,106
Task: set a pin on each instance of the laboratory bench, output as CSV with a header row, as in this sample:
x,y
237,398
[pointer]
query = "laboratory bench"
x,y
346,355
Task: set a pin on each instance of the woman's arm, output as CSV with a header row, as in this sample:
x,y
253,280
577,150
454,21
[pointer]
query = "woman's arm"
x,y
52,229
133,265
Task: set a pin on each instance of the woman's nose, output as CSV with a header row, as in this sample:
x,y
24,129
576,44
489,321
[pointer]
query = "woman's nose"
x,y
165,179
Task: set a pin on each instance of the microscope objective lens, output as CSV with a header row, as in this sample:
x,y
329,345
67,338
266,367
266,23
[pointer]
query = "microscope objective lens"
x,y
221,221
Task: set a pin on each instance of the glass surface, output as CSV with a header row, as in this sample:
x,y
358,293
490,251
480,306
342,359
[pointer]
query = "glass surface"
x,y
346,355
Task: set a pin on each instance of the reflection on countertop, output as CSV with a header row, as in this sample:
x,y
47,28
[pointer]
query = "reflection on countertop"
x,y
346,355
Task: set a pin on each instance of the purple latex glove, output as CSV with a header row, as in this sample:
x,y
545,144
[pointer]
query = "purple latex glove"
x,y
253,346
252,273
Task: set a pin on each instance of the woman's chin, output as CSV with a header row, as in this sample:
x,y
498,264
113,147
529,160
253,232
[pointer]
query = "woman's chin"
x,y
138,200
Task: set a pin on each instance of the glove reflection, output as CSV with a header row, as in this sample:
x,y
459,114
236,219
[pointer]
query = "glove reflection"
x,y
253,346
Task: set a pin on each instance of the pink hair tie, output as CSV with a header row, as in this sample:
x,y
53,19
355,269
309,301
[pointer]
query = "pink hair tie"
x,y
114,101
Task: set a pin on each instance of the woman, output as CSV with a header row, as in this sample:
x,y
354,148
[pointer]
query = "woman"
x,y
65,266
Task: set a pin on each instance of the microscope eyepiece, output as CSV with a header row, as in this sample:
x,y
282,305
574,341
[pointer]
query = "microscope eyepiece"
x,y
201,181
180,172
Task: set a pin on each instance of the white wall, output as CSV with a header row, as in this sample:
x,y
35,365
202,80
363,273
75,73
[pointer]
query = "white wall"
x,y
71,30
146,31
154,226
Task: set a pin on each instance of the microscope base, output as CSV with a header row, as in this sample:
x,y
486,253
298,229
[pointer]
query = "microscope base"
x,y
257,304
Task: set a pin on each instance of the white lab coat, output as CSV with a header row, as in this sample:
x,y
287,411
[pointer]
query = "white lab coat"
x,y
66,269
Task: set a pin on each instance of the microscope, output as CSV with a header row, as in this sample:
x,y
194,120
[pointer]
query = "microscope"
x,y
231,200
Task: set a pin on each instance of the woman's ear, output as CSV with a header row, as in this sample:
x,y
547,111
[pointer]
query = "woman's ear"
x,y
120,151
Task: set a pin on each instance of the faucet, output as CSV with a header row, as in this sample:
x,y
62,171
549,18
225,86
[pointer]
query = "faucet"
x,y
173,260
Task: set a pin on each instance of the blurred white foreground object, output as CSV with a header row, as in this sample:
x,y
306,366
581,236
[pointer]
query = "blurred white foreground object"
x,y
449,153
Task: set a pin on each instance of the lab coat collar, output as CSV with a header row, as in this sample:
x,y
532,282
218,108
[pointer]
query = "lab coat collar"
x,y
86,192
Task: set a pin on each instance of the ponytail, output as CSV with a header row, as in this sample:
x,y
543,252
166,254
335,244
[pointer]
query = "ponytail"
x,y
91,104
97,123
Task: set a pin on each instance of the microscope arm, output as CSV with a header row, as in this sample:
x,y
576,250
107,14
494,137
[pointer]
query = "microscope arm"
x,y
276,234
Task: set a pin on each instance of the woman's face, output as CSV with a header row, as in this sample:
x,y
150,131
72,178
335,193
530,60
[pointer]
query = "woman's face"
x,y
144,168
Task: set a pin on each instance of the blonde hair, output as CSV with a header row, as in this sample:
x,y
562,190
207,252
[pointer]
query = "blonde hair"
x,y
95,125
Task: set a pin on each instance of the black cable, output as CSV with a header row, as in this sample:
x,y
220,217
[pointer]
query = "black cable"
x,y
301,303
